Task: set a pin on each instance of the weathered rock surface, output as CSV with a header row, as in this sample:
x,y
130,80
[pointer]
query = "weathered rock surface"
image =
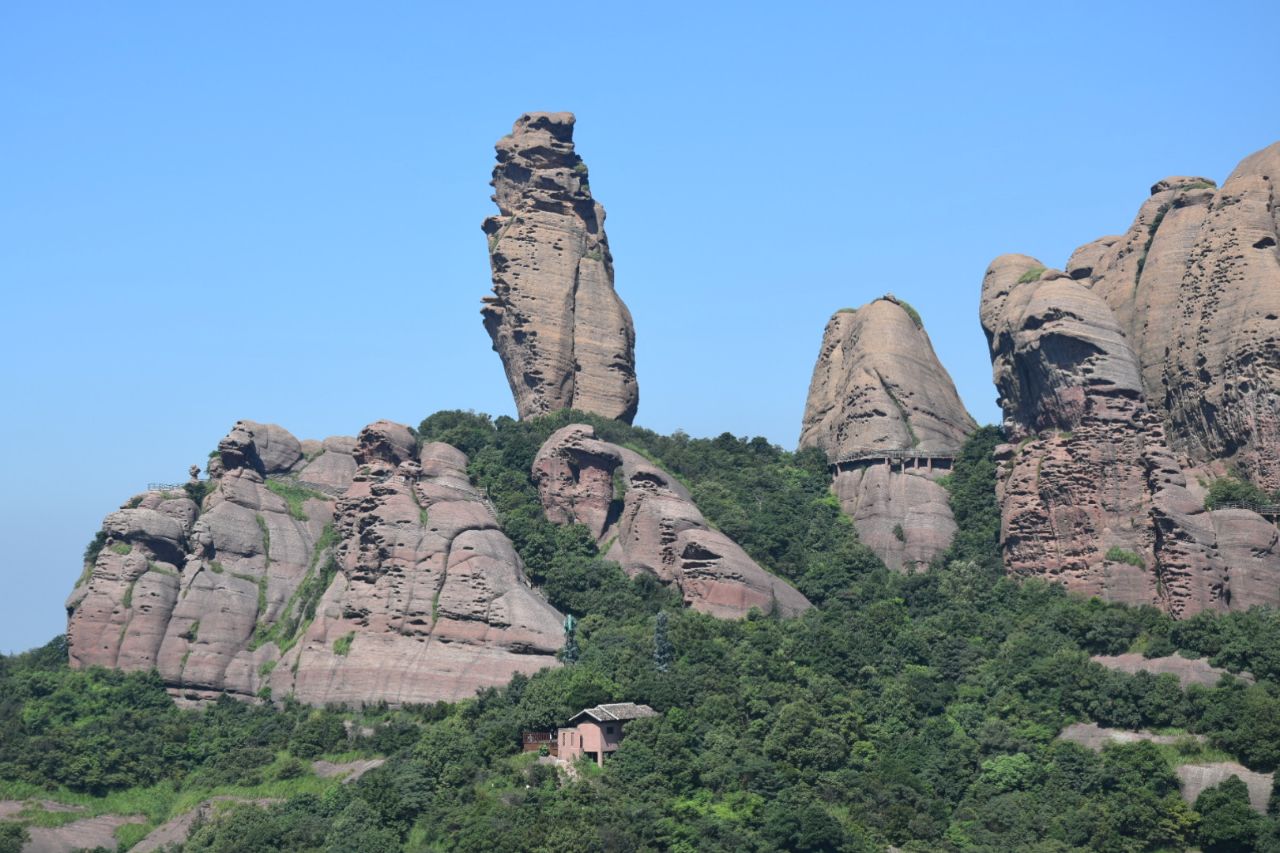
x,y
1195,285
1091,494
403,589
177,830
1197,778
88,834
653,526
878,386
1188,670
565,337
1095,737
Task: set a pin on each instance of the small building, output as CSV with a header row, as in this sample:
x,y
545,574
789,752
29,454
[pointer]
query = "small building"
x,y
594,732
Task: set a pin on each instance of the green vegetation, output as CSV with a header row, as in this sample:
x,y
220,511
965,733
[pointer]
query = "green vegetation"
x,y
342,645
294,495
216,567
594,254
912,313
580,167
1120,555
1235,489
198,490
1151,236
300,610
121,548
899,533
919,711
1196,185
1031,275
93,549
266,536
13,836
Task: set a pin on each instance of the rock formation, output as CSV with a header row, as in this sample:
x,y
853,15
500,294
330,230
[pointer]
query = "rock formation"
x,y
565,338
350,571
646,521
878,386
1195,286
1091,494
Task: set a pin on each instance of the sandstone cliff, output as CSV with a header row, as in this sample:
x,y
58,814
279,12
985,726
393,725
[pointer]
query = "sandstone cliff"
x,y
648,523
878,386
1091,495
350,571
1195,286
564,336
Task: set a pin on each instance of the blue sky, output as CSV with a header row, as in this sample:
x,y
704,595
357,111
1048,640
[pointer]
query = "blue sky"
x,y
272,211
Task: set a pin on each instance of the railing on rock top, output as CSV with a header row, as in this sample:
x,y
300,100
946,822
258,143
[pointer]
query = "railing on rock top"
x,y
1271,512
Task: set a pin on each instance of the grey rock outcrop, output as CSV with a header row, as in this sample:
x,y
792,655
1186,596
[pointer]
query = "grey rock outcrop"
x,y
565,337
653,527
367,572
878,386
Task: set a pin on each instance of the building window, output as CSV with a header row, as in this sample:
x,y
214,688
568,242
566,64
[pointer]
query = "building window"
x,y
608,730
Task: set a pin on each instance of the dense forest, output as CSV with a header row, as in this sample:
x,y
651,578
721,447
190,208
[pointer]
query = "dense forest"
x,y
920,711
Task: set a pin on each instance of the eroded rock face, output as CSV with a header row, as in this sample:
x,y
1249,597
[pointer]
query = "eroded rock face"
x,y
565,337
400,589
1195,285
653,526
878,386
1091,494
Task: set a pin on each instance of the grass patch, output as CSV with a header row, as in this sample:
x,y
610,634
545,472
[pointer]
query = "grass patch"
x,y
266,536
1196,185
342,645
294,495
160,570
300,610
216,567
911,312
162,801
1031,275
192,632
121,548
1120,555
594,255
580,168
130,834
128,595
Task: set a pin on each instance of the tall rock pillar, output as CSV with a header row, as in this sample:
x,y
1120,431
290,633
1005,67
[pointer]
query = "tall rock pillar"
x,y
565,337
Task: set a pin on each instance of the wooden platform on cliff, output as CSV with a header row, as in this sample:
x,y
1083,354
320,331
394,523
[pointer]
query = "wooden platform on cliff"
x,y
902,459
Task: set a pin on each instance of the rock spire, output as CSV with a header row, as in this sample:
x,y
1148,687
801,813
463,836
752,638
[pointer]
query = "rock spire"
x,y
565,337
878,386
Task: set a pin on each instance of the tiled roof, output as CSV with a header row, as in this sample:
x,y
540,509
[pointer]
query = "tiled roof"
x,y
615,711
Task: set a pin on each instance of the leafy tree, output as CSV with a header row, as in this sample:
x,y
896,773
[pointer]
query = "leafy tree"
x,y
1227,822
663,652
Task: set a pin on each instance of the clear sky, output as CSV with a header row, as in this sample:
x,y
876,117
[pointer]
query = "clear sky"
x,y
272,210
